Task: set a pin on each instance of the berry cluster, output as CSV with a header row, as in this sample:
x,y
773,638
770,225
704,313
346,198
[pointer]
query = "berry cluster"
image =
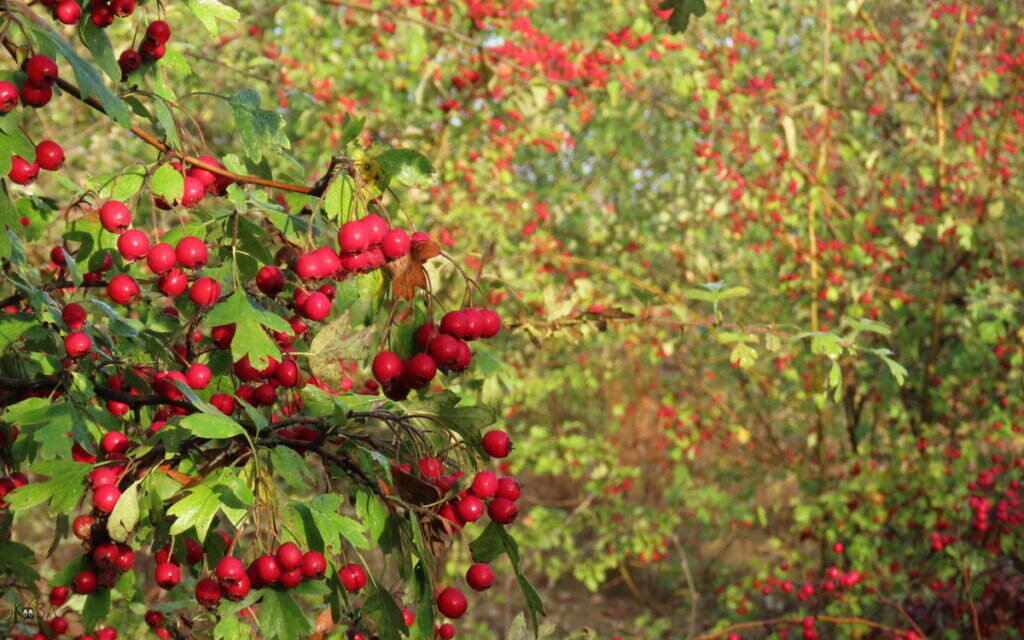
x,y
49,156
101,12
37,88
441,347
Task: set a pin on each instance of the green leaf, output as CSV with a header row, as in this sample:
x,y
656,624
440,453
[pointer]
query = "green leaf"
x,y
13,326
125,516
176,62
383,610
195,510
316,401
467,421
96,40
209,426
16,560
250,337
897,370
64,488
89,80
257,127
743,355
826,344
281,617
292,467
372,512
96,607
681,12
423,592
46,423
866,324
167,183
339,197
409,167
210,11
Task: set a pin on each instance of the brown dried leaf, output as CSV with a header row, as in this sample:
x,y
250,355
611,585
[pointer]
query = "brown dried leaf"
x,y
414,490
324,623
407,273
185,480
424,250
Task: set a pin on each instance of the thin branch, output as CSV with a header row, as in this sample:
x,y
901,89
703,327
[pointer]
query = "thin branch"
x,y
891,55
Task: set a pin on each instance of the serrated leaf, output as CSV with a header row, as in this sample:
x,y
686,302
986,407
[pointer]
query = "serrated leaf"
x,y
291,467
47,423
16,560
96,607
212,426
250,337
372,512
338,198
210,11
13,326
408,166
63,489
467,421
681,12
743,355
195,510
257,127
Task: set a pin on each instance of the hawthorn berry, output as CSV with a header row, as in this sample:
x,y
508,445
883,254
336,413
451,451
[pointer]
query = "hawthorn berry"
x,y
125,558
223,402
41,69
84,582
289,556
105,497
101,15
480,576
314,565
198,376
270,280
122,8
418,371
58,625
151,51
485,484
154,618
387,367
266,569
192,253
395,244
375,227
58,596
238,590
204,292
102,476
161,258
229,571
49,155
68,12
133,245
316,306
354,237
104,555
167,575
81,526
114,442
290,579
445,631
508,488
173,283
444,349
471,508
22,171
502,510
353,577
77,344
8,96
497,443
408,617
451,603
192,192
158,31
36,96
115,216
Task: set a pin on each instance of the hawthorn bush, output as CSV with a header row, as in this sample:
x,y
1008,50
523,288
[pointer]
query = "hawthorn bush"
x,y
222,381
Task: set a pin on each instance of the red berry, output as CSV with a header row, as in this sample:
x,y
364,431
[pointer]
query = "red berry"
x,y
204,292
22,171
84,583
49,155
229,571
508,488
58,596
395,244
152,51
485,484
208,593
445,350
222,335
58,625
387,367
102,476
490,323
418,371
34,95
191,252
102,16
316,306
353,577
198,376
193,552
8,95
239,590
114,442
425,334
474,324
502,510
314,565
133,245
125,558
471,508
223,403
104,555
454,324
354,237
68,12
167,575
173,283
161,258
375,226
430,467
451,603
115,216
122,8
41,70
446,631
193,192
289,556
497,443
270,280
82,526
105,498
158,31
287,373
77,344
153,618
290,579
266,569
480,576
129,61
